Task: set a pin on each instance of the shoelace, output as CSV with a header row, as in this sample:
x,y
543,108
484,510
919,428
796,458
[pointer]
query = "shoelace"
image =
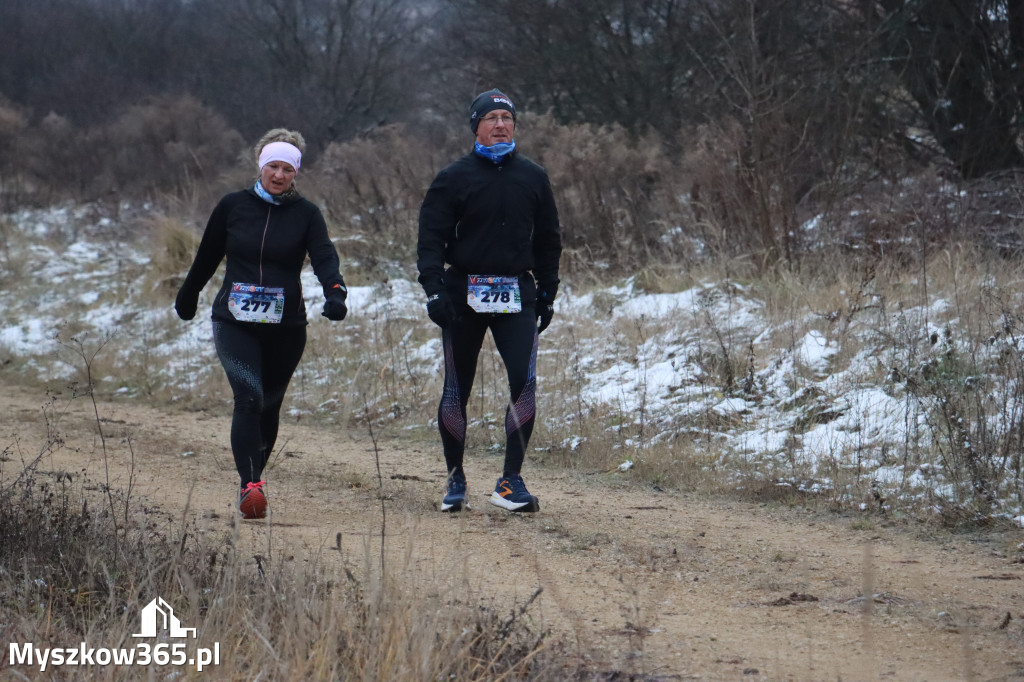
x,y
253,485
516,483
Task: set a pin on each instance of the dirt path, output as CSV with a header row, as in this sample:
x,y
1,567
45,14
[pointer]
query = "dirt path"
x,y
657,583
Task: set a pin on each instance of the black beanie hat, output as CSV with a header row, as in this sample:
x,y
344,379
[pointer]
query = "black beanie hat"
x,y
486,102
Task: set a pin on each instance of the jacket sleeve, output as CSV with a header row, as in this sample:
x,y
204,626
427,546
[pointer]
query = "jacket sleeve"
x,y
547,241
438,217
210,253
323,256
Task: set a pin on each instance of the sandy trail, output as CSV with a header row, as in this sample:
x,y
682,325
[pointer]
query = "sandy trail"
x,y
663,584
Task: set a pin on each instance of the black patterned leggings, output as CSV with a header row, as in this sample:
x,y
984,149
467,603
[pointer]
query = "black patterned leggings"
x,y
259,360
515,336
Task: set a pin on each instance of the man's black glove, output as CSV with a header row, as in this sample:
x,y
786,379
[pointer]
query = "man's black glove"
x,y
545,311
185,304
545,307
441,309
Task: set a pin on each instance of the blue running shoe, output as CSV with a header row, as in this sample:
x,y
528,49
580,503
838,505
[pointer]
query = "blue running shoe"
x,y
455,494
511,494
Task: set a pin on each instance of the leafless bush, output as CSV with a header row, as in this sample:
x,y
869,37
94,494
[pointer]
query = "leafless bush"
x,y
904,222
63,159
164,145
162,148
618,195
13,125
743,196
900,223
372,187
966,377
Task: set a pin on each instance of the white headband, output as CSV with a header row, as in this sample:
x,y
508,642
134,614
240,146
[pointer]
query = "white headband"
x,y
281,151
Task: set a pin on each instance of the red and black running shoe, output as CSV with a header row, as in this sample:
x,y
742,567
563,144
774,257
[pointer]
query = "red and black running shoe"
x,y
252,501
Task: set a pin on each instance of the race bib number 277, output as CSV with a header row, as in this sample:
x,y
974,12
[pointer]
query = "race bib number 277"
x,y
252,303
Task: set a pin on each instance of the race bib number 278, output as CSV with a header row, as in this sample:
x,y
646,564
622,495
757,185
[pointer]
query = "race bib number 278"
x,y
494,294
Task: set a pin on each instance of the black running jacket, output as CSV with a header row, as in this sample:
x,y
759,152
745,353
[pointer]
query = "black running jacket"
x,y
489,219
265,244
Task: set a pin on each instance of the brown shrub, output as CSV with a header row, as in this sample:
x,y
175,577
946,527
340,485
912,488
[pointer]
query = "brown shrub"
x,y
618,196
61,159
168,145
12,130
743,195
372,187
906,221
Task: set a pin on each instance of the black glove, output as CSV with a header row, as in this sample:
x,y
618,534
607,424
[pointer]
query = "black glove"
x,y
441,309
335,309
545,311
545,306
185,304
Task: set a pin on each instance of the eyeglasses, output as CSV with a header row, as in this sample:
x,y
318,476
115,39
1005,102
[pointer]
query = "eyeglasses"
x,y
494,120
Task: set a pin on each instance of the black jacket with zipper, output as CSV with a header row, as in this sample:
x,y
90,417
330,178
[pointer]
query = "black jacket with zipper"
x,y
265,244
489,219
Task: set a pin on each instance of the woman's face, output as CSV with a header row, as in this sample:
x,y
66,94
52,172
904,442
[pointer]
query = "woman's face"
x,y
277,177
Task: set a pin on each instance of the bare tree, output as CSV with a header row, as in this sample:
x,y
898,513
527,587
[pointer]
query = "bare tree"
x,y
961,63
598,61
84,60
329,67
333,67
772,100
792,118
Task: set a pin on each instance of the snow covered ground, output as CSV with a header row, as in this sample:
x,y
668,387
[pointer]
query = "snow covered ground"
x,y
863,408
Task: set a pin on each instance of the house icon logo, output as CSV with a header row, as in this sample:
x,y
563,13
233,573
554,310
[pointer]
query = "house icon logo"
x,y
158,616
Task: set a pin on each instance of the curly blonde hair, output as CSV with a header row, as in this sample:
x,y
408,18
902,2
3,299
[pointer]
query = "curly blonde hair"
x,y
280,135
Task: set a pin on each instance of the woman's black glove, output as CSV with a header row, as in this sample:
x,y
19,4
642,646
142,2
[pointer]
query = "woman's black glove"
x,y
335,309
441,309
185,304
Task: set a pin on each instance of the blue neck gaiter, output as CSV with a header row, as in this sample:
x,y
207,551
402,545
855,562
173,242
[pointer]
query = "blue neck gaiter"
x,y
264,194
496,152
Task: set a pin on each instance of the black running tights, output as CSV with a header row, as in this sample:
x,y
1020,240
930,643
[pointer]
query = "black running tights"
x,y
515,336
259,360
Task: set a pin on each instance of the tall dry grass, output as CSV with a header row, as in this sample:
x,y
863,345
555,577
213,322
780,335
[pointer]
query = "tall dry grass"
x,y
79,559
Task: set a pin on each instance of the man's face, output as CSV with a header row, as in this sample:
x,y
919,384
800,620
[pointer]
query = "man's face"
x,y
497,126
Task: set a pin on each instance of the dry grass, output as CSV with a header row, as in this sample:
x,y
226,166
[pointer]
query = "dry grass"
x,y
79,560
